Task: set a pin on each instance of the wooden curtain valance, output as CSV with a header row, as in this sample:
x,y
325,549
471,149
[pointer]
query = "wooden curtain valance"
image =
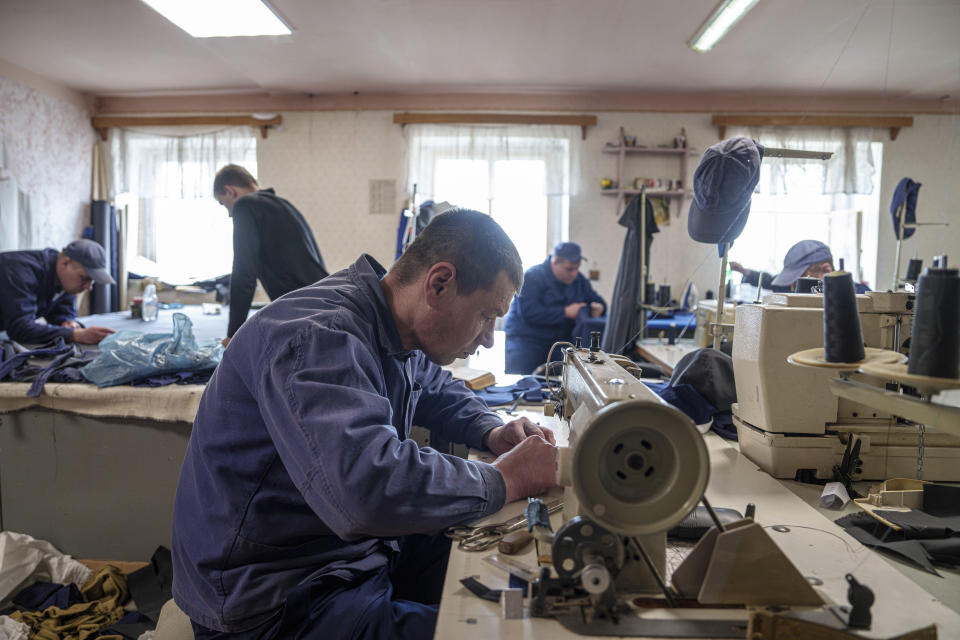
x,y
582,121
894,123
103,123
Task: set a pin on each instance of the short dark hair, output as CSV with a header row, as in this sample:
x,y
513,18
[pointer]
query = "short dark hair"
x,y
475,244
233,175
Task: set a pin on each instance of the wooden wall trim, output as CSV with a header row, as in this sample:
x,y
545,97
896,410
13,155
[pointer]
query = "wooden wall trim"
x,y
545,102
103,123
872,122
582,121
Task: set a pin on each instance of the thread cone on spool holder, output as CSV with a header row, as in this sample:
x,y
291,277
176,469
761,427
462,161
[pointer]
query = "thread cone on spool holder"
x,y
935,341
842,332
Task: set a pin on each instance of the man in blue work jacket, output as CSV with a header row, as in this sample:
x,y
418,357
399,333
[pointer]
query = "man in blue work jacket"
x,y
42,284
304,510
554,292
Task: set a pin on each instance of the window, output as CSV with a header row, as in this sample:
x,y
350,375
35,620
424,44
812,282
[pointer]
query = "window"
x,y
521,176
175,229
836,202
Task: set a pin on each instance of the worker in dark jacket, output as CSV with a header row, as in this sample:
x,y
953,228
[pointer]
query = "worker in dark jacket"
x,y
42,284
304,508
553,294
272,242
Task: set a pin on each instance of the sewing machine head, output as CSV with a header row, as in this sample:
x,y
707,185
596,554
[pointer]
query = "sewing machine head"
x,y
636,465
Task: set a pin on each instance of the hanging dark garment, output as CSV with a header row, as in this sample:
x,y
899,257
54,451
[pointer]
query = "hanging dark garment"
x,y
623,318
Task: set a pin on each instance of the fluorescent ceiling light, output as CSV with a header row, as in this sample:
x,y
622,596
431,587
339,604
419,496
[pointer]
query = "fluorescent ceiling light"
x,y
724,16
221,18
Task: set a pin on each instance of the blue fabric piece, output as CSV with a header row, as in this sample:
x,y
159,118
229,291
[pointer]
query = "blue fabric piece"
x,y
529,387
300,468
15,361
723,425
685,398
30,289
906,191
680,320
42,595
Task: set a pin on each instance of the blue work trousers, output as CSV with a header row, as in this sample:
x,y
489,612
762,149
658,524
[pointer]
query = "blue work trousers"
x,y
396,602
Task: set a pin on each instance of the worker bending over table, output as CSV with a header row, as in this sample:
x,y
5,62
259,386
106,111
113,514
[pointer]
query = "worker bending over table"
x,y
304,510
545,311
272,242
42,284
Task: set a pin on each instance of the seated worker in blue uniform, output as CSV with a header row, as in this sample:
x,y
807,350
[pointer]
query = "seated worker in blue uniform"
x,y
42,283
546,309
304,509
272,242
805,259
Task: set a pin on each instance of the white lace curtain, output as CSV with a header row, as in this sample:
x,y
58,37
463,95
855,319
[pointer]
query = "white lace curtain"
x,y
180,163
849,171
556,145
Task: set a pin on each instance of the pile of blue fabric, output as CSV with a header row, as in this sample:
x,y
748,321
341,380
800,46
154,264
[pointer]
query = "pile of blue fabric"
x,y
126,357
530,390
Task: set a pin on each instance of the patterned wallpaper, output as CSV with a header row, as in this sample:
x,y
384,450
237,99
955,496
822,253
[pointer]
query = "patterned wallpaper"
x,y
49,145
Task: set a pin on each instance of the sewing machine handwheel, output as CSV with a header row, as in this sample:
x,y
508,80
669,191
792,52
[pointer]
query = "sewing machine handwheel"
x,y
579,541
639,468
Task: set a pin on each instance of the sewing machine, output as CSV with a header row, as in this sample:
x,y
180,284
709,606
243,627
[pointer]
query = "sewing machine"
x,y
787,418
706,314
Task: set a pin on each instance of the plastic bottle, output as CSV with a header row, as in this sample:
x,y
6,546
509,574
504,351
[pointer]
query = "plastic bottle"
x,y
151,306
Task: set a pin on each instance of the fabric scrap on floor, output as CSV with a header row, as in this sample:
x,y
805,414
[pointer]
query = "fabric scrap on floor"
x,y
103,597
25,560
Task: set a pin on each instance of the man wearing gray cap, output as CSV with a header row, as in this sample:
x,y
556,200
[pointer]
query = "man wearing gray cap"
x,y
545,311
42,284
805,259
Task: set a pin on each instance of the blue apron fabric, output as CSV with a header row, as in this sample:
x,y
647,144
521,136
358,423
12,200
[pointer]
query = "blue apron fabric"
x,y
529,388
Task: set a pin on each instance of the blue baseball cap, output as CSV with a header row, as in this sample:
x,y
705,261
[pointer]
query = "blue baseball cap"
x,y
568,251
906,193
92,257
722,187
799,257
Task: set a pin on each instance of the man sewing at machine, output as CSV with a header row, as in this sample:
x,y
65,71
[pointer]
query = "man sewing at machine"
x,y
301,494
554,293
805,259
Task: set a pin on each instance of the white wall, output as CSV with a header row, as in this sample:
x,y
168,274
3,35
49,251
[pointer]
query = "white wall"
x,y
929,153
322,162
49,145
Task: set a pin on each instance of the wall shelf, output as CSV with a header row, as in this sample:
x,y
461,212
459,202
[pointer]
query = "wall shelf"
x,y
622,150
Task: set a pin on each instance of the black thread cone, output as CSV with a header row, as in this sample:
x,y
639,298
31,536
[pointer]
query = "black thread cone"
x,y
842,333
935,342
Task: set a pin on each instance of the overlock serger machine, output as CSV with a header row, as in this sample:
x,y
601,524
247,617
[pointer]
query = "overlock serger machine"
x,y
788,419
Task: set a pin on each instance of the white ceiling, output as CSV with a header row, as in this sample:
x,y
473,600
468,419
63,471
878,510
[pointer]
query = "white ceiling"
x,y
882,48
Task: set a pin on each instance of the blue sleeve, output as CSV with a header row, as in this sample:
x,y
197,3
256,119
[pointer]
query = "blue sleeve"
x,y
246,264
536,306
65,309
18,307
323,403
448,408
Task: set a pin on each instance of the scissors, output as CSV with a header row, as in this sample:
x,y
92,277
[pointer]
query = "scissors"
x,y
482,538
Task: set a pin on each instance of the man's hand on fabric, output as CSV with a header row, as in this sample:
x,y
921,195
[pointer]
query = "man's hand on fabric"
x,y
529,468
572,309
71,324
504,438
90,335
225,341
596,309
